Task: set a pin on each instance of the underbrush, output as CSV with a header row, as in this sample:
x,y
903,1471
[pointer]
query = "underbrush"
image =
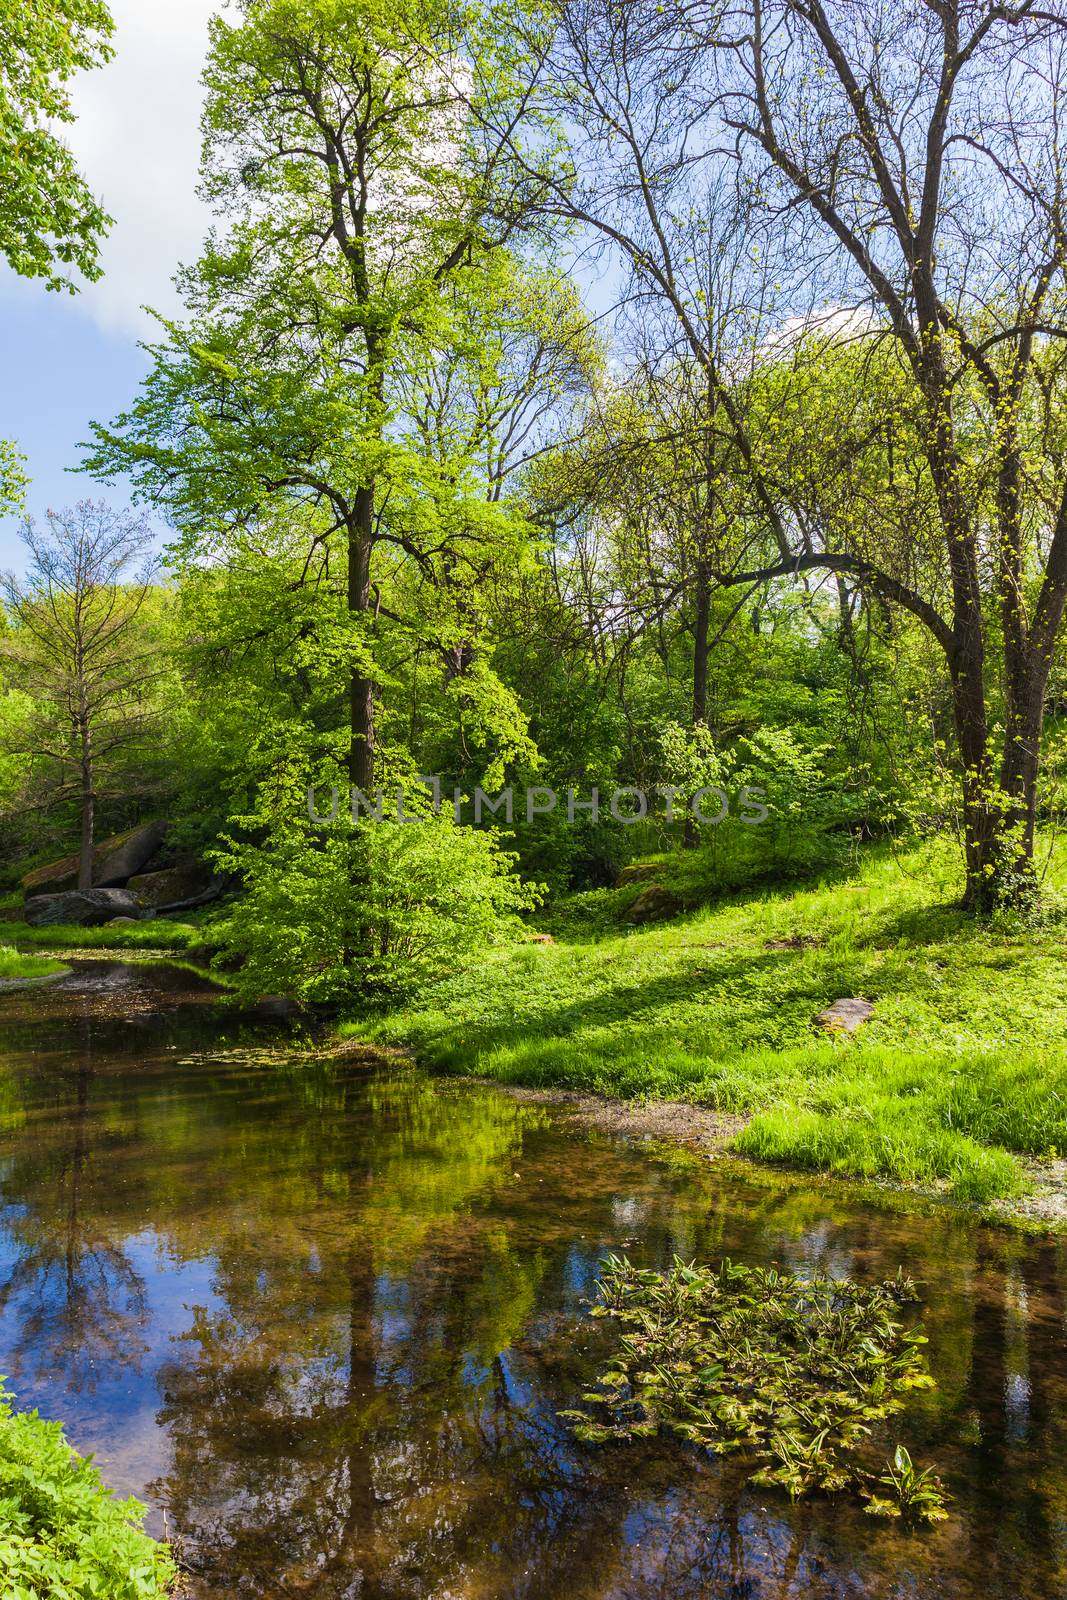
x,y
63,1536
960,1070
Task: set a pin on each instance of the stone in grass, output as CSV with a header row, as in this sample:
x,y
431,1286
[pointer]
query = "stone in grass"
x,y
640,870
654,904
845,1016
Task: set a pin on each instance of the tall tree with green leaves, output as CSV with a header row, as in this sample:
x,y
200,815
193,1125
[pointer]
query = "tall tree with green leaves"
x,y
355,186
50,221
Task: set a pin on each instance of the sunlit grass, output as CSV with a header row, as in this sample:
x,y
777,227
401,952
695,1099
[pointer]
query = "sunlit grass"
x,y
961,1068
15,965
158,934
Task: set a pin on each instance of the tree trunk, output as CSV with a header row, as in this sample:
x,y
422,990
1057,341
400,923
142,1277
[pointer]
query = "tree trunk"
x,y
701,622
88,806
361,689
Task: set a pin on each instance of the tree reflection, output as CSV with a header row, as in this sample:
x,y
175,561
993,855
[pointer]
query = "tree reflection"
x,y
78,1300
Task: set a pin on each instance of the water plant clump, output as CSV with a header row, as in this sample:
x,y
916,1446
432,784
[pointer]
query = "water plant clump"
x,y
797,1371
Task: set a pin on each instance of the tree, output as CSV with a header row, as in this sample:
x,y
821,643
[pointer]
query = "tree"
x,y
49,220
911,158
75,648
338,145
902,165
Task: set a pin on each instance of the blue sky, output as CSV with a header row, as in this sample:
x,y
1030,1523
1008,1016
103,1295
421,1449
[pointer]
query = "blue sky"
x,y
66,360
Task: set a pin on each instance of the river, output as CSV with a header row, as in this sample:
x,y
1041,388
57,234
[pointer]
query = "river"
x,y
321,1315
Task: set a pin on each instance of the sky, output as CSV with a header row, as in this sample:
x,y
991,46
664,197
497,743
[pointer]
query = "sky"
x,y
67,360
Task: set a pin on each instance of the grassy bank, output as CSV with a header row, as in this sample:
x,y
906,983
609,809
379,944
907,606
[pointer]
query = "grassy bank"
x,y
961,1070
15,965
156,935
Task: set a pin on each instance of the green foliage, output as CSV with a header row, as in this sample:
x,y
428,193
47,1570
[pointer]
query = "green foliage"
x,y
916,1495
62,1534
382,906
49,219
13,480
796,1372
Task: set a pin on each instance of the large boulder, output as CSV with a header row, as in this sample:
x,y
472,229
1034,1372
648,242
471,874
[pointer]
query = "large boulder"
x,y
114,860
85,908
174,887
131,856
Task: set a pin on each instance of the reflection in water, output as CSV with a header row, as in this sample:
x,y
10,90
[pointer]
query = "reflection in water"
x,y
326,1316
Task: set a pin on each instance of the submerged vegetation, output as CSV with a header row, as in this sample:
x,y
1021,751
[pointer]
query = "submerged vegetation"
x,y
796,1372
62,1534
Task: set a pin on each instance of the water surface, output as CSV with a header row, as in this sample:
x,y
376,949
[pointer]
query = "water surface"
x,y
322,1317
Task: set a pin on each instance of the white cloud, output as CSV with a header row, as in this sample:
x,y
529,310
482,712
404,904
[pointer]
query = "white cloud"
x,y
137,140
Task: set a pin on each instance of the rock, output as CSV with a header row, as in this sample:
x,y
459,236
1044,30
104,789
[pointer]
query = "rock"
x,y
844,1016
87,908
640,871
123,922
121,849
172,887
654,904
131,856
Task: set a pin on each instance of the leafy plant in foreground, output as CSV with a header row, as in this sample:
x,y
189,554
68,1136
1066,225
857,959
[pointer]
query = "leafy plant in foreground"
x,y
795,1370
63,1536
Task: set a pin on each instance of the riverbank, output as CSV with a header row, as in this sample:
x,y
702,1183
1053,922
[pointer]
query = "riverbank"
x,y
957,1084
17,967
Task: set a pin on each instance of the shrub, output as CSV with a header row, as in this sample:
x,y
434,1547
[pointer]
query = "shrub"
x,y
63,1536
382,907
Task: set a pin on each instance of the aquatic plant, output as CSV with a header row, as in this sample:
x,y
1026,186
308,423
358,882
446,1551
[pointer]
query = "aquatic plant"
x,y
795,1370
917,1495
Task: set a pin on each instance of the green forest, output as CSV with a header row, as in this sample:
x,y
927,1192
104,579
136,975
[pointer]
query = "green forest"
x,y
481,611
577,599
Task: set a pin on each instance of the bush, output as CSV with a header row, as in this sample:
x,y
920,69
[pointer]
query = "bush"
x,y
63,1536
380,907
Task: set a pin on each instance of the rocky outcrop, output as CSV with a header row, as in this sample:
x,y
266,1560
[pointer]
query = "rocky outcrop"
x,y
85,908
114,860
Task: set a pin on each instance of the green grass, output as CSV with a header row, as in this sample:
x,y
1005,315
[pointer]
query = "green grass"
x,y
961,1069
156,935
15,965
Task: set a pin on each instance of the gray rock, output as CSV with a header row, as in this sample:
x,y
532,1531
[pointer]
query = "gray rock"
x,y
131,856
654,904
172,887
86,908
844,1016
